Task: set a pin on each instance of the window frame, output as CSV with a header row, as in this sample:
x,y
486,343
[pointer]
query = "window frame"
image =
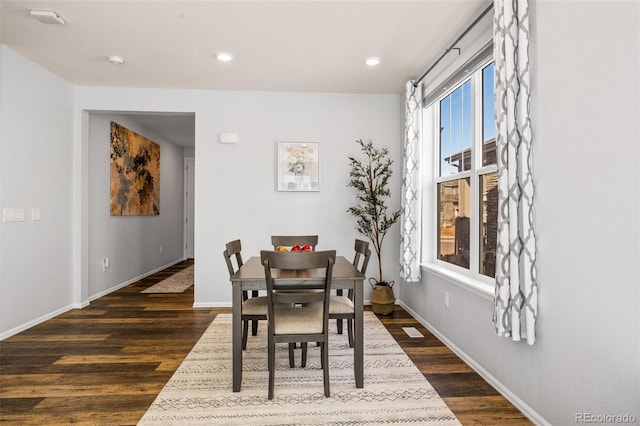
x,y
468,278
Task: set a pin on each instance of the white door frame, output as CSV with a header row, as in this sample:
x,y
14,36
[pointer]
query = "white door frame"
x,y
189,211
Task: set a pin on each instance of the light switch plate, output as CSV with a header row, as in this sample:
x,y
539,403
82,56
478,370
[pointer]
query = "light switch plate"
x,y
13,215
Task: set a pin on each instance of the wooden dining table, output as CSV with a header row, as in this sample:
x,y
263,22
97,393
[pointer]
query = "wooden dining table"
x,y
251,276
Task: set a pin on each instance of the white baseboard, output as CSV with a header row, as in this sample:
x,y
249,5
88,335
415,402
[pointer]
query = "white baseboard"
x,y
36,321
534,416
212,305
83,304
133,280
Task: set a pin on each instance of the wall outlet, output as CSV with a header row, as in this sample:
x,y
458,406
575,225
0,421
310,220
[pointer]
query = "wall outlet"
x,y
446,299
105,264
160,249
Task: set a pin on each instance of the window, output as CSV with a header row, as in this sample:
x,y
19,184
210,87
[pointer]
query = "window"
x,y
459,129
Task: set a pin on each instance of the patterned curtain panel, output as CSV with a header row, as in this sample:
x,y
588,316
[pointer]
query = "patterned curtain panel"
x,y
411,188
516,297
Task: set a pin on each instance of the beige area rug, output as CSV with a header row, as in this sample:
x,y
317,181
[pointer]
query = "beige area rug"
x,y
395,392
176,283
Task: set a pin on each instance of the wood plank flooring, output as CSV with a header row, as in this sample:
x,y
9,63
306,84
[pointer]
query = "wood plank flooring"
x,y
468,395
106,363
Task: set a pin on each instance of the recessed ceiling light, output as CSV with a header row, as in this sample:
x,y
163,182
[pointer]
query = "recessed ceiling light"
x,y
372,61
116,60
47,16
224,56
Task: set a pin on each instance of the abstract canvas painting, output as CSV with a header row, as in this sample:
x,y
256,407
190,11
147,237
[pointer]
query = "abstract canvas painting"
x,y
135,173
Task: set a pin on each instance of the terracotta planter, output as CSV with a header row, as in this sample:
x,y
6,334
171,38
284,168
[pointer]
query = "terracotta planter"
x,y
382,297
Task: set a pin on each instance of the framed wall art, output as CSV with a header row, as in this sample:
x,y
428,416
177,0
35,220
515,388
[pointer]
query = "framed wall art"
x,y
298,166
135,174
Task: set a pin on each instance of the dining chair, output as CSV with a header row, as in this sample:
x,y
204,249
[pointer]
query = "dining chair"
x,y
341,307
294,315
254,308
292,240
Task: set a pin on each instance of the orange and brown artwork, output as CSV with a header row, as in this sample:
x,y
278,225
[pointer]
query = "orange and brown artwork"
x,y
135,173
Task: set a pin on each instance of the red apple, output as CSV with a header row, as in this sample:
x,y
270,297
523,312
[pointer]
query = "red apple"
x,y
306,247
296,248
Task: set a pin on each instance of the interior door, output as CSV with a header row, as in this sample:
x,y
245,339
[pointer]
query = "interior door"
x,y
190,165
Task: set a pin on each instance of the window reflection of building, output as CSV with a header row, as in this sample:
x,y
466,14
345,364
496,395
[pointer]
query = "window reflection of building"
x,y
455,211
462,160
489,231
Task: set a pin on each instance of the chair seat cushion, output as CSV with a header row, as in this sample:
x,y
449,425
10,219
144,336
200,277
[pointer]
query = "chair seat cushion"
x,y
341,305
255,306
303,320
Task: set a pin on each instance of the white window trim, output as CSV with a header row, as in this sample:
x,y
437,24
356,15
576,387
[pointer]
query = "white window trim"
x,y
460,278
465,278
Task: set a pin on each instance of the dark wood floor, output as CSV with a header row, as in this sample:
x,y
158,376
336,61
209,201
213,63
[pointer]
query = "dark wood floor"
x,y
106,363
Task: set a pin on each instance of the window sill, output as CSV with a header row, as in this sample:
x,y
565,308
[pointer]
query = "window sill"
x,y
476,286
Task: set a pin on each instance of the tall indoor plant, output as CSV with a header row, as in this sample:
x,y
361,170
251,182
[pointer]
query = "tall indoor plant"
x,y
371,180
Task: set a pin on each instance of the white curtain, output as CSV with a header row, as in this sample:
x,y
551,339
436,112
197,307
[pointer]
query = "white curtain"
x,y
516,296
411,187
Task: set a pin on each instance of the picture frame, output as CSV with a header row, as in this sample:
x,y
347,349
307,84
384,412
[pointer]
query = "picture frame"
x,y
298,166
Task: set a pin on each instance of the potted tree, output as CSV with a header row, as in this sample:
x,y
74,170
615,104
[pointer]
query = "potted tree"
x,y
371,180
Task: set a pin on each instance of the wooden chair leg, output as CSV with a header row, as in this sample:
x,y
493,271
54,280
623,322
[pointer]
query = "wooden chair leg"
x,y
245,331
339,321
350,332
254,323
291,361
272,365
325,366
303,363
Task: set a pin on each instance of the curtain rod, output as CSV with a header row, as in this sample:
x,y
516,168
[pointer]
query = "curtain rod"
x,y
452,47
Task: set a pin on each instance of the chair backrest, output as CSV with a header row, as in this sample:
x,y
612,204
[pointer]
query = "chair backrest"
x,y
279,291
363,253
233,249
292,240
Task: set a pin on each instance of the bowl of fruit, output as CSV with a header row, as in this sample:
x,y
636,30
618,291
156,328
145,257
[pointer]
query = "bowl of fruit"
x,y
305,247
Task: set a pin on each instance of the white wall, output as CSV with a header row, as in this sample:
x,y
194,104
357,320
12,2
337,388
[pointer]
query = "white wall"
x,y
52,168
35,172
132,243
236,196
586,109
248,206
